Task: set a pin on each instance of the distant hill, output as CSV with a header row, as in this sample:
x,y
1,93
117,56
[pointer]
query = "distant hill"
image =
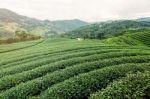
x,y
144,19
107,29
11,21
67,25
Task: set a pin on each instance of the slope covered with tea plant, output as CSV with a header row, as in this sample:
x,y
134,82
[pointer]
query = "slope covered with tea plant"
x,y
133,86
132,38
62,68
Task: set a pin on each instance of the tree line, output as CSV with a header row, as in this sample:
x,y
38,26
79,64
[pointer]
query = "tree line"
x,y
20,36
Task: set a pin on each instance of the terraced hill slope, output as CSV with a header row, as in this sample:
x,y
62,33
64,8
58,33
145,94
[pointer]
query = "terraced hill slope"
x,y
136,38
69,69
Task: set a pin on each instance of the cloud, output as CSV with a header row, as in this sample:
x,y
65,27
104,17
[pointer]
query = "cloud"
x,y
88,10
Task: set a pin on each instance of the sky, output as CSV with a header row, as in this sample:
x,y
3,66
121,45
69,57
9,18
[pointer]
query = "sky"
x,y
87,10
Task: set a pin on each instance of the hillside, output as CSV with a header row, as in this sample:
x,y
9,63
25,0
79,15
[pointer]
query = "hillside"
x,y
131,37
63,68
108,29
68,25
144,19
11,21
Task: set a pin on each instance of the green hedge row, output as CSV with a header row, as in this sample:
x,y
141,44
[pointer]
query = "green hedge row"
x,y
18,46
36,86
12,80
134,86
82,86
43,54
64,60
36,54
40,55
31,52
55,57
143,37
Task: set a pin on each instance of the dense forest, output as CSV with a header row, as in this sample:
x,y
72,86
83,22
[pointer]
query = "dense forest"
x,y
107,29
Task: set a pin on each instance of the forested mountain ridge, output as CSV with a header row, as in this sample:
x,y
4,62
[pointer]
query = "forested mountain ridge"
x,y
108,29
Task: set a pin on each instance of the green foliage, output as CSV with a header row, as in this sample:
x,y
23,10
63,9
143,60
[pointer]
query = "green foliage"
x,y
55,77
20,36
81,86
107,29
131,37
65,68
134,86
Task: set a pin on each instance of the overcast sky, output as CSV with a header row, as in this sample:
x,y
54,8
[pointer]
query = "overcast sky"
x,y
87,10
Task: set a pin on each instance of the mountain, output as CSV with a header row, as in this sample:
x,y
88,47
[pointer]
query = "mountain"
x,y
107,29
144,19
67,25
11,22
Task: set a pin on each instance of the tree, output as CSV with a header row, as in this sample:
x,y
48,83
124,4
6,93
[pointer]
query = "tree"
x,y
100,35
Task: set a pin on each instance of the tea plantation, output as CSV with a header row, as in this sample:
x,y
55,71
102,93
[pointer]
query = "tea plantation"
x,y
62,68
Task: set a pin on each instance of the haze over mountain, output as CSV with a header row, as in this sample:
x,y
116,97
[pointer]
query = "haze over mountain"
x,y
87,10
11,22
144,19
